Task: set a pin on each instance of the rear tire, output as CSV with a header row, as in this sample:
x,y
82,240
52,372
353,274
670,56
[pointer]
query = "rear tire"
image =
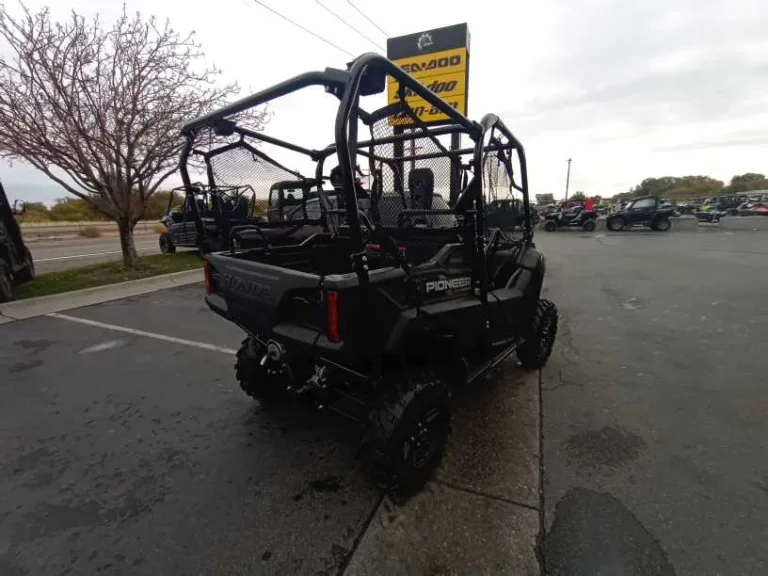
x,y
166,244
410,426
615,224
550,226
253,377
589,226
536,350
6,283
663,224
27,273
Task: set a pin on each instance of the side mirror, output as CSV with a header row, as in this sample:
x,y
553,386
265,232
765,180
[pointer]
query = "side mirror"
x,y
19,207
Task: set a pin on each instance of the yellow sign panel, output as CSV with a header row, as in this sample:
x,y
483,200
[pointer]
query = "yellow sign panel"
x,y
446,85
435,63
444,73
426,112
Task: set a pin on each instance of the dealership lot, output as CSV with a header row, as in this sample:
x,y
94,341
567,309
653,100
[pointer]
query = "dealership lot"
x,y
655,402
127,447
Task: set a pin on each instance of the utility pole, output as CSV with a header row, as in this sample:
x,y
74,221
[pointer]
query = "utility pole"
x,y
567,180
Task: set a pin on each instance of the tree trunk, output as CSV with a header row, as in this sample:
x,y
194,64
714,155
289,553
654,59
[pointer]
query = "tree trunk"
x,y
130,258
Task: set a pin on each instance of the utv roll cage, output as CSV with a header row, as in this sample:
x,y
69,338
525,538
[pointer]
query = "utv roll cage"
x,y
401,152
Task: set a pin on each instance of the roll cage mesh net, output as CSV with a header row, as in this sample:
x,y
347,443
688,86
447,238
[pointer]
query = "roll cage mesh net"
x,y
410,176
422,161
244,167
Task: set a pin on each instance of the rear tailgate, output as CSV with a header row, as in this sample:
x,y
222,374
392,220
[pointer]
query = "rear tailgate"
x,y
257,295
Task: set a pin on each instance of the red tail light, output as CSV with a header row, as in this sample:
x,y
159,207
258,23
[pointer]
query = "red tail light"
x,y
332,305
207,274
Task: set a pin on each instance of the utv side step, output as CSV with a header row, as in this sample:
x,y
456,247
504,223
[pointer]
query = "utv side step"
x,y
493,362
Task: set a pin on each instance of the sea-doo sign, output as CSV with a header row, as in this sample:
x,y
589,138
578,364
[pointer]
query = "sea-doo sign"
x,y
439,59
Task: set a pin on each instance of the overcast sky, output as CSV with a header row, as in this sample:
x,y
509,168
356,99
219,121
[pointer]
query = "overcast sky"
x,y
626,89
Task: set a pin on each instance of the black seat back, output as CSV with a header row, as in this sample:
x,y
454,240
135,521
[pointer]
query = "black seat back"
x,y
421,185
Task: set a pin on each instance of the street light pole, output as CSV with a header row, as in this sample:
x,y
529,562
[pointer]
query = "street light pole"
x,y
567,180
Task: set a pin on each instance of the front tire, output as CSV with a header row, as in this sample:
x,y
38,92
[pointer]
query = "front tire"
x,y
6,283
166,244
27,273
410,426
589,226
536,350
253,378
550,226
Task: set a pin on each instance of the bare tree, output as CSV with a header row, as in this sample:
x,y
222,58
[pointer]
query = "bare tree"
x,y
99,110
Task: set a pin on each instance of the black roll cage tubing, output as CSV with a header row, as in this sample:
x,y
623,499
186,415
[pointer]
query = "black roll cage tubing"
x,y
346,85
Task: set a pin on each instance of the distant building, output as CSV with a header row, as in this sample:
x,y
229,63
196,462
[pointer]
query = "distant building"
x,y
544,199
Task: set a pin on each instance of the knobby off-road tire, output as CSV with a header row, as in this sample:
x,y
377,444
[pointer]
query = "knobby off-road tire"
x,y
589,226
166,244
663,224
253,378
27,273
615,224
535,351
550,226
6,283
410,425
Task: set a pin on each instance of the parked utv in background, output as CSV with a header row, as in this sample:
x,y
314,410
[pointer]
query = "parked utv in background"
x,y
16,265
648,211
576,217
407,295
753,209
229,209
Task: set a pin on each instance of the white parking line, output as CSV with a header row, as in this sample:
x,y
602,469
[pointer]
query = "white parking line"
x,y
87,255
135,332
76,256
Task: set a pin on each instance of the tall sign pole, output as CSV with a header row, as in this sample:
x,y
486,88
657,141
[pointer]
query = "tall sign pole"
x,y
567,180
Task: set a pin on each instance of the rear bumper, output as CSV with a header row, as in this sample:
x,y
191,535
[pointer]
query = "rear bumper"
x,y
301,339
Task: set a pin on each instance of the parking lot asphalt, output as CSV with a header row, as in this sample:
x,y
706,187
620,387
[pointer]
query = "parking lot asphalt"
x,y
122,453
655,403
126,455
126,447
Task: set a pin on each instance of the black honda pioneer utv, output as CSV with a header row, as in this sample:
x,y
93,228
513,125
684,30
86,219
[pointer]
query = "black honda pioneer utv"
x,y
380,317
16,264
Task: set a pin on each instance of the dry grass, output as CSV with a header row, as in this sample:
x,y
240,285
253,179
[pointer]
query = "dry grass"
x,y
107,273
89,232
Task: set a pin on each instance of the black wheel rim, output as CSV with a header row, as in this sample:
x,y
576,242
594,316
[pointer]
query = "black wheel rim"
x,y
424,442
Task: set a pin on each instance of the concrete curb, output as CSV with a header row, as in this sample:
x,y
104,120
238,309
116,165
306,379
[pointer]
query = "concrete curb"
x,y
23,309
